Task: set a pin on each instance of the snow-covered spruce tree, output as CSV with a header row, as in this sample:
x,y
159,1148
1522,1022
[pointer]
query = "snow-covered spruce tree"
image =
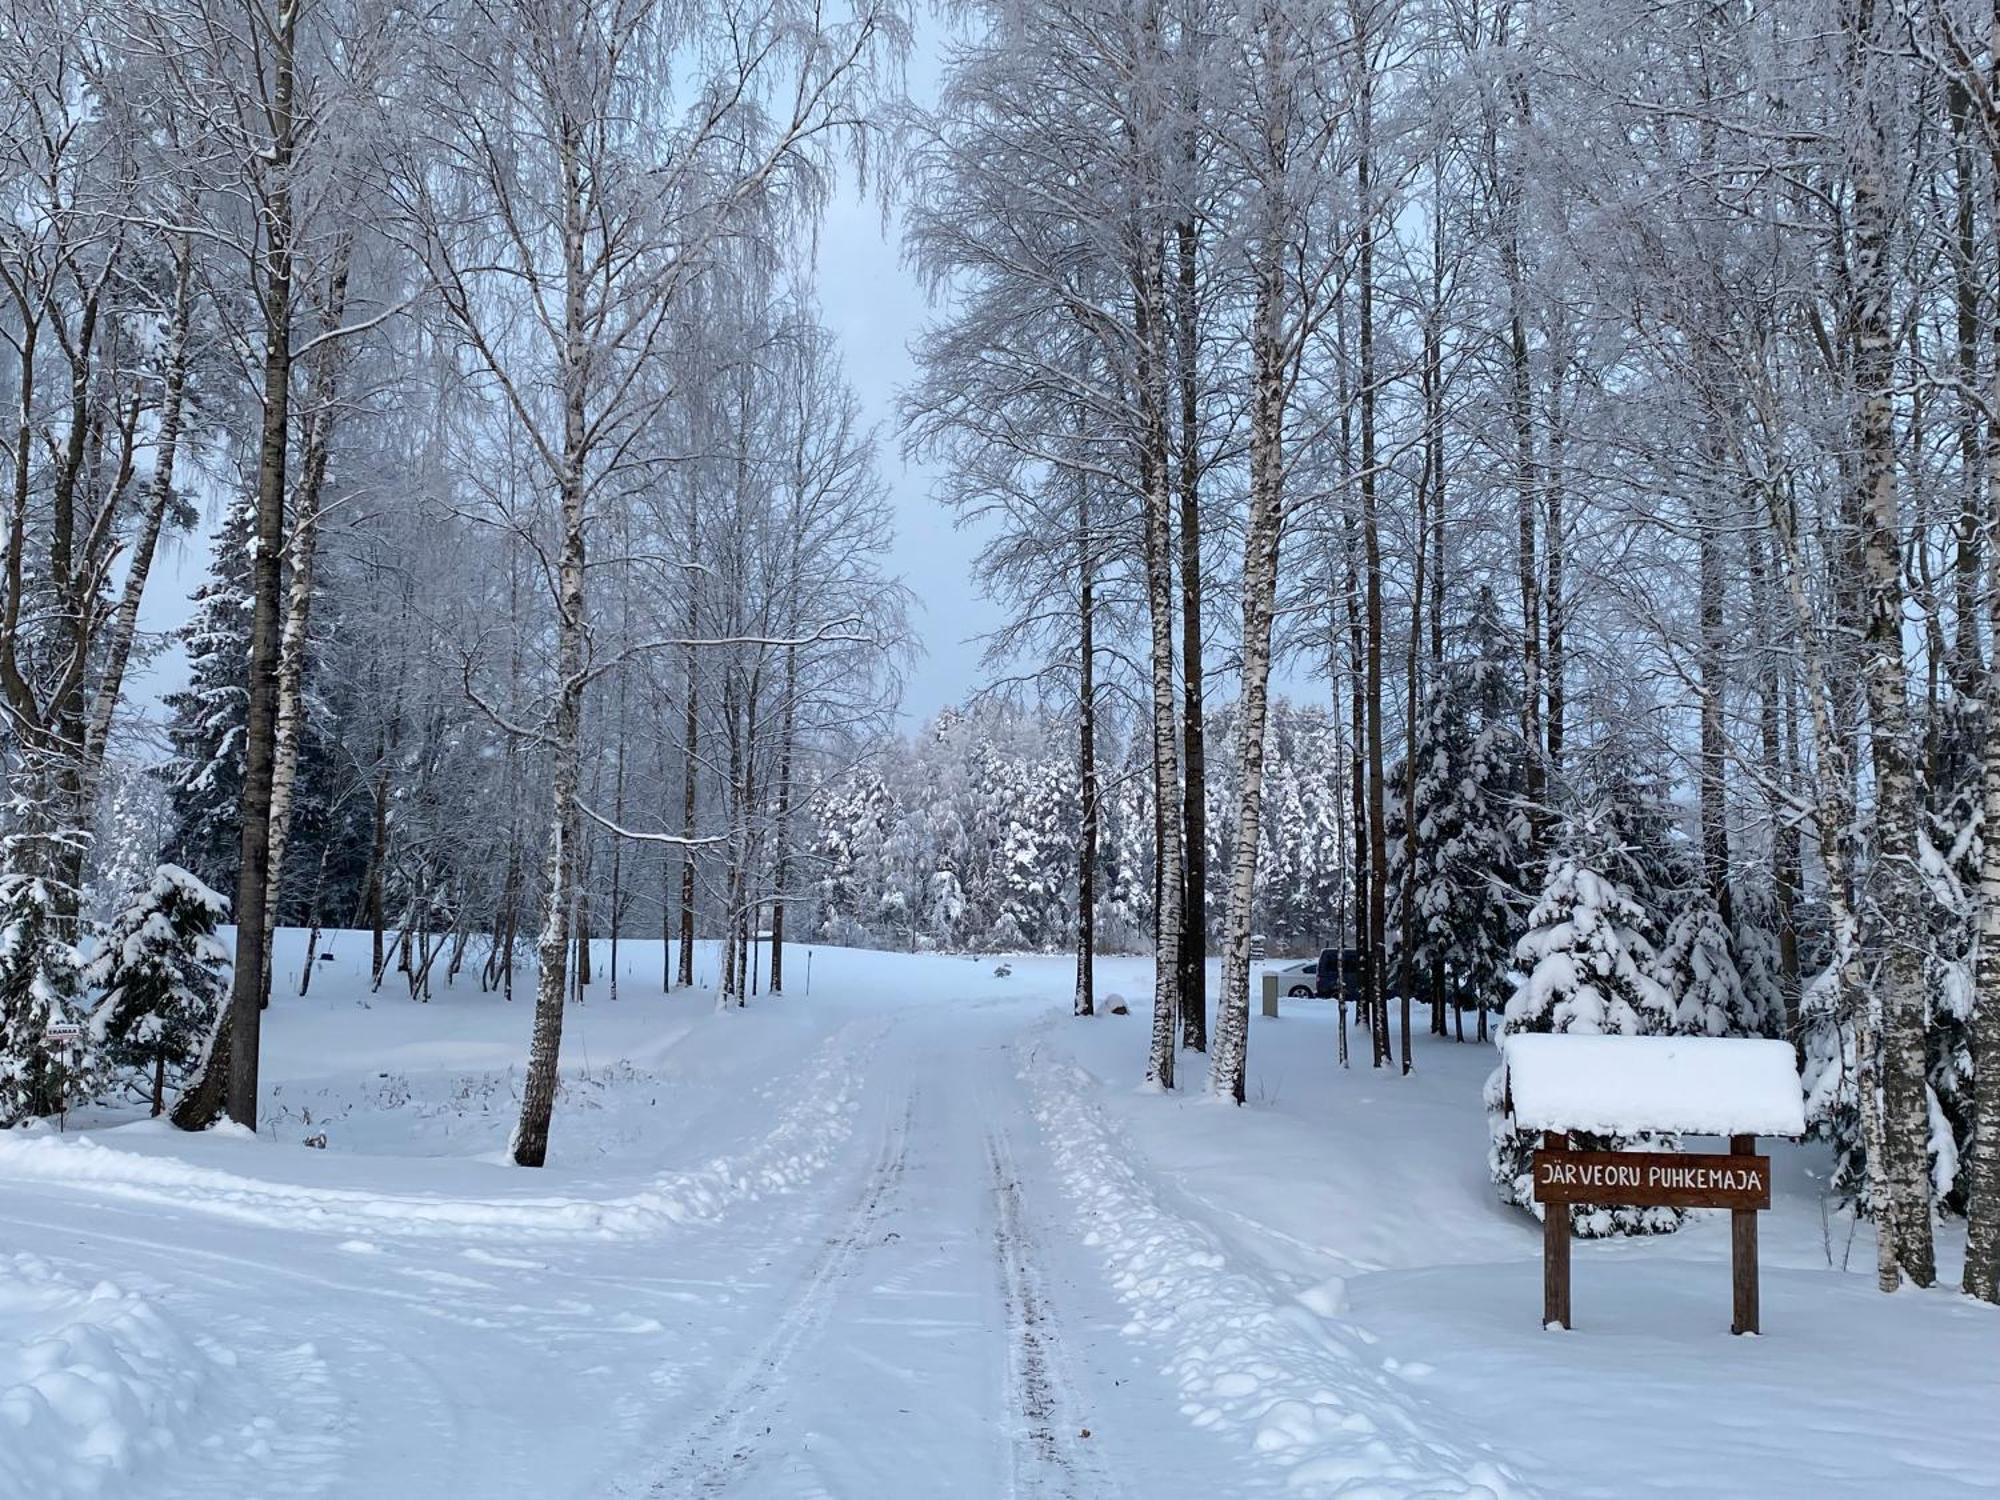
x,y
1646,848
848,854
207,717
1420,877
1586,968
38,985
163,977
1696,966
133,822
1472,831
1754,942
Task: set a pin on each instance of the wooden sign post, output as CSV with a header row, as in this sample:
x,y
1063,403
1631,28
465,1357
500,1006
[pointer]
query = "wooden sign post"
x,y
1739,1182
1555,1240
64,1040
1743,1243
1616,1085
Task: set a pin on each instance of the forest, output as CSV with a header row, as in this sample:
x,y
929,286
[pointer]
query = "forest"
x,y
1508,486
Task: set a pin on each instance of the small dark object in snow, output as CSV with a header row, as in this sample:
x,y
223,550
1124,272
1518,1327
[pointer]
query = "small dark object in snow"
x,y
1085,1433
1001,971
317,1142
326,958
1115,1005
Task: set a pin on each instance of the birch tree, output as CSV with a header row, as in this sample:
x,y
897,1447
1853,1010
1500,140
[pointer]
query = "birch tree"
x,y
561,204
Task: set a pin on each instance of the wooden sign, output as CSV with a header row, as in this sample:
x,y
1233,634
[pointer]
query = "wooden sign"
x,y
1739,1182
1653,1179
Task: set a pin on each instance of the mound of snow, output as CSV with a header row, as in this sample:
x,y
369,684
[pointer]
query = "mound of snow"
x,y
805,1136
94,1384
1622,1085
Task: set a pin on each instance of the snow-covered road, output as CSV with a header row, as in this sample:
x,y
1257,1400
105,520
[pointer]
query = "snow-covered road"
x,y
917,1235
817,1255
915,1339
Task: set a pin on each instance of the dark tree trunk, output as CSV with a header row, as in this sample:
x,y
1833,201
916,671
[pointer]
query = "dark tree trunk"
x,y
690,735
781,863
1084,1002
212,1093
1194,811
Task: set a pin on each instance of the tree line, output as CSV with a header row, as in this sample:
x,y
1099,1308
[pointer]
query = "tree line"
x,y
551,534
1596,399
1599,399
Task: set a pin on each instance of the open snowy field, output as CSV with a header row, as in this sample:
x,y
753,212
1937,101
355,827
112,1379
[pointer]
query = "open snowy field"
x,y
916,1234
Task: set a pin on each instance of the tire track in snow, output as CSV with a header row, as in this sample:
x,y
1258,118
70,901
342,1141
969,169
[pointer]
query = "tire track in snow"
x,y
713,1457
1313,1399
1047,1461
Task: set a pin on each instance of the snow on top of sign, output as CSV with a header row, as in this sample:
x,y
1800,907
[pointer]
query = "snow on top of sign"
x,y
1616,1085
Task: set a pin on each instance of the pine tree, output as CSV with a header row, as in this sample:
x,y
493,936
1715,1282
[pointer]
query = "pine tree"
x,y
163,975
1472,832
1640,830
209,715
38,986
1696,967
1754,941
133,822
1586,969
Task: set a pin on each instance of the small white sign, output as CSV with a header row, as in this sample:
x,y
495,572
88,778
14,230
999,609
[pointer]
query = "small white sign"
x,y
63,1031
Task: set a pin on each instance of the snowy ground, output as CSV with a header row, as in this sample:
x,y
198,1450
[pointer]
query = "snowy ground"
x,y
914,1235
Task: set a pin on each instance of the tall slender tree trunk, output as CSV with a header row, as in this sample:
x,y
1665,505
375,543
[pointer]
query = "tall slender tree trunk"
x,y
227,1079
1084,1002
1194,779
1711,661
1982,1214
1260,583
530,1144
1371,544
1555,601
781,861
302,552
1158,502
1412,658
1900,986
690,736
1968,669
1520,409
1431,535
124,624
1982,1234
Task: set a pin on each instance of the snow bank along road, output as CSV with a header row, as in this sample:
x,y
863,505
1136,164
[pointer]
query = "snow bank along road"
x,y
914,1236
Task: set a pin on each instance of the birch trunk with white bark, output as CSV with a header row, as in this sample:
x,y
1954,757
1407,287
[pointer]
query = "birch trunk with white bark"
x,y
1157,498
1899,990
530,1144
1260,583
302,552
1982,1215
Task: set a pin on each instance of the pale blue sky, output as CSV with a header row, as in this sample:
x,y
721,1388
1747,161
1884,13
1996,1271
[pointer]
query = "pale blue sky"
x,y
876,307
